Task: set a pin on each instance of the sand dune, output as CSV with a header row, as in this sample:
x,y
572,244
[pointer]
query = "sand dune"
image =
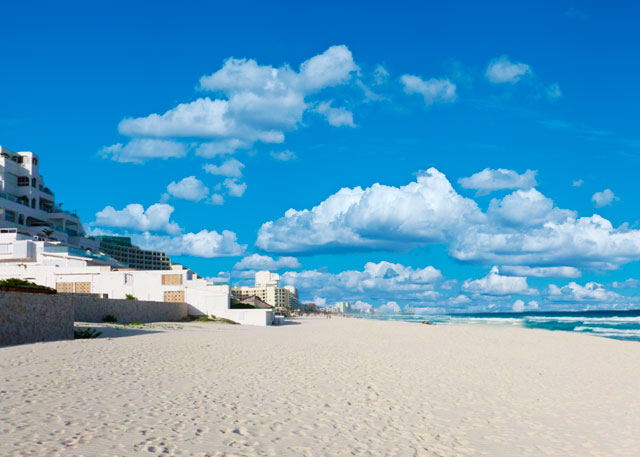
x,y
322,388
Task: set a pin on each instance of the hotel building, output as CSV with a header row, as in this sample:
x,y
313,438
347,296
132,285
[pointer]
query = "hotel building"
x,y
266,288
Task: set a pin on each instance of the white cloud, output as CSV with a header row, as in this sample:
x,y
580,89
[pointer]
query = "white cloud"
x,y
501,70
260,103
190,188
379,217
202,244
591,291
578,183
533,304
518,306
526,208
234,188
429,210
135,217
139,150
489,180
361,307
432,90
541,272
496,284
553,91
377,281
220,148
629,283
283,156
230,168
604,198
338,117
380,75
216,199
390,308
263,262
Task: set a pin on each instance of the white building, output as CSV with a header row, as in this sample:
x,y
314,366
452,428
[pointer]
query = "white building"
x,y
71,270
27,205
342,307
40,242
266,287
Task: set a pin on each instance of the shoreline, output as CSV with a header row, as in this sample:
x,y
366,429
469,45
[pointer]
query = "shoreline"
x,y
326,387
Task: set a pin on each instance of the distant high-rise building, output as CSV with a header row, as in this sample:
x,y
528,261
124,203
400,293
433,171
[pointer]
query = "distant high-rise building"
x,y
121,249
284,299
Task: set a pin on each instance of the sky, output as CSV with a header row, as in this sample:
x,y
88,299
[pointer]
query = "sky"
x,y
437,157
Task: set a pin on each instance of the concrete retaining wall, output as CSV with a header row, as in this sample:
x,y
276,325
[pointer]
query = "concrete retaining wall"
x,y
92,309
30,318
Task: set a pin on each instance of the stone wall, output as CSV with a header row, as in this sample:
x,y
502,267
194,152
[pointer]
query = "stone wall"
x,y
89,308
30,318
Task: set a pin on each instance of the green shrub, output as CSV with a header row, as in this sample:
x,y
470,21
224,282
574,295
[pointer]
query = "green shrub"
x,y
89,333
16,283
130,297
109,318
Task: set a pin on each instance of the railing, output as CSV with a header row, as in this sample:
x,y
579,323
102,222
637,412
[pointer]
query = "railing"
x,y
14,199
46,190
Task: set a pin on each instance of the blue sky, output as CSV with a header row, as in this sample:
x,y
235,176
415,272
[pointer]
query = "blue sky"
x,y
223,117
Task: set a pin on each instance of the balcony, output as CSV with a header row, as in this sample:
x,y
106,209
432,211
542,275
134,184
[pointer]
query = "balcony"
x,y
14,199
46,190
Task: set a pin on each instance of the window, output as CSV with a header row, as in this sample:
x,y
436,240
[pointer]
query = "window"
x,y
34,161
23,181
33,203
21,219
33,182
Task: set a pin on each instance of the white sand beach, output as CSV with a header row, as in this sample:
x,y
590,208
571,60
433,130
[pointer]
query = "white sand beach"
x,y
321,387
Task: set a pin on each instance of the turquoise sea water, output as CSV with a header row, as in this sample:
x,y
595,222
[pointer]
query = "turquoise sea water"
x,y
621,325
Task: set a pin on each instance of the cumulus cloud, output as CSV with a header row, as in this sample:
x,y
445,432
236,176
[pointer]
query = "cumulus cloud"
x,y
259,104
591,291
432,90
489,180
377,281
390,307
190,188
235,188
263,262
204,243
541,272
496,284
140,149
135,217
361,307
338,117
604,198
283,156
578,183
429,210
216,199
629,283
379,217
501,70
518,306
526,208
230,168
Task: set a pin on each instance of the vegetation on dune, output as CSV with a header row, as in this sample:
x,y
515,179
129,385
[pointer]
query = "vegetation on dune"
x,y
109,318
89,333
20,285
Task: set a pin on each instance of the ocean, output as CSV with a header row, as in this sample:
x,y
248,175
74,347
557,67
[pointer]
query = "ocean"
x,y
621,325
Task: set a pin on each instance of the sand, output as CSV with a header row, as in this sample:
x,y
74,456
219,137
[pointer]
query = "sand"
x,y
321,387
